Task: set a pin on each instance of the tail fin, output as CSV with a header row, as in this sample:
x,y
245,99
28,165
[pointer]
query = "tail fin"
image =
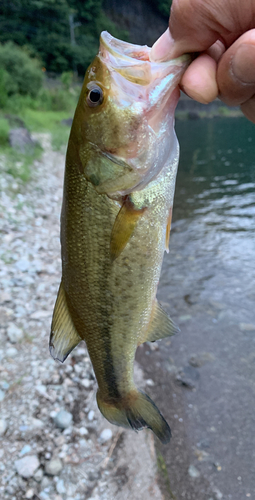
x,y
136,410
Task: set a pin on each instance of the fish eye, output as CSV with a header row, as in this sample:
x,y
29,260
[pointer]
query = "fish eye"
x,y
95,96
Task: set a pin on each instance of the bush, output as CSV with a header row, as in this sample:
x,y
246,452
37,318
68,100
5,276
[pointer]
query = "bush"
x,y
22,73
4,132
4,77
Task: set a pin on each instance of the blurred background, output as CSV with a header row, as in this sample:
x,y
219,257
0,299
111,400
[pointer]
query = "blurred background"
x,y
54,443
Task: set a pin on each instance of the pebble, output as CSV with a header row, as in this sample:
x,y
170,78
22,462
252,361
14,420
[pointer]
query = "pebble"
x,y
29,493
105,435
38,475
3,426
247,327
60,487
26,449
53,467
63,419
11,352
91,415
14,333
2,395
193,472
23,265
83,431
198,360
85,382
150,382
27,466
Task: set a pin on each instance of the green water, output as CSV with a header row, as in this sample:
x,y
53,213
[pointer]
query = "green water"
x,y
217,171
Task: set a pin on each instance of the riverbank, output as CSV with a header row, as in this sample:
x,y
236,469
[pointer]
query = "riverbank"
x,y
55,445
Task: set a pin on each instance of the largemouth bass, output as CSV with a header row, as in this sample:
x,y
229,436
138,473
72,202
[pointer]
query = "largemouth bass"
x,y
121,165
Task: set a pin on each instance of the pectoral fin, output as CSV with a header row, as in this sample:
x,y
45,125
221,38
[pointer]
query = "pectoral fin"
x,y
168,228
160,326
124,226
64,337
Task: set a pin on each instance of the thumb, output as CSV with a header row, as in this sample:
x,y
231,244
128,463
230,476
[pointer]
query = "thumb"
x,y
194,26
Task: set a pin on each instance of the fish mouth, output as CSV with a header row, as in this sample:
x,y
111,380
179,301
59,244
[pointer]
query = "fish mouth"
x,y
133,61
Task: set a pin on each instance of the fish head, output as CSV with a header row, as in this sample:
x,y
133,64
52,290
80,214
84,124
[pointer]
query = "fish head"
x,y
124,122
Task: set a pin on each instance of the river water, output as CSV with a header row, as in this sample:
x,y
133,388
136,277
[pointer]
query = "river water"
x,y
205,377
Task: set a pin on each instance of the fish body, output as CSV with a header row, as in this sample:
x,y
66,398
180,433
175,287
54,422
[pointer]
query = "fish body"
x,y
119,184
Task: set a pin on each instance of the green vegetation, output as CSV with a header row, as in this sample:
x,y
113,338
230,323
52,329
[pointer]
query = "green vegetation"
x,y
164,475
163,6
62,34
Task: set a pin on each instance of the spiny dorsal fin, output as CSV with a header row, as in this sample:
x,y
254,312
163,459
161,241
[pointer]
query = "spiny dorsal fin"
x,y
64,337
160,326
123,227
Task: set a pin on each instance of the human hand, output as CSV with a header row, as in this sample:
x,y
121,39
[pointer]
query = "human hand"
x,y
223,33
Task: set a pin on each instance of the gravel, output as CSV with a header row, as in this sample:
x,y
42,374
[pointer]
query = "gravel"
x,y
54,441
27,466
14,333
53,467
3,427
63,419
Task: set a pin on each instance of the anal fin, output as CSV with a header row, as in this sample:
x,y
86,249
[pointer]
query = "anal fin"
x,y
64,337
160,326
124,226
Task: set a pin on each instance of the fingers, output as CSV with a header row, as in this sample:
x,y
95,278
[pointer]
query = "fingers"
x,y
199,80
236,71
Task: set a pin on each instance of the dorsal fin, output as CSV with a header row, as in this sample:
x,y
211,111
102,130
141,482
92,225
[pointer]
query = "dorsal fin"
x,y
124,226
64,337
160,326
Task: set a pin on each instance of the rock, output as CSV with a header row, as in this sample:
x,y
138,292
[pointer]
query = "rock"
x,y
193,472
29,493
53,467
14,333
41,314
85,382
83,431
60,487
2,395
36,423
198,360
23,265
63,419
67,121
21,140
26,449
5,297
38,475
247,327
105,435
150,382
187,377
27,466
3,426
91,415
11,352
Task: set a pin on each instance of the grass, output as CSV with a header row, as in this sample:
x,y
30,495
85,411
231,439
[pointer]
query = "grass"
x,y
164,474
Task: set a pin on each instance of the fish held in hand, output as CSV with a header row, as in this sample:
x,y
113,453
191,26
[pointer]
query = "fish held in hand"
x,y
121,166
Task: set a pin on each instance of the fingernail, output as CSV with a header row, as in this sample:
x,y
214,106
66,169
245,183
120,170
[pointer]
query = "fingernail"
x,y
243,63
161,50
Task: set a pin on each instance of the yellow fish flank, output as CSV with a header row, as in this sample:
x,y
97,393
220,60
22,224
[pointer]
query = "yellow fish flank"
x,y
119,184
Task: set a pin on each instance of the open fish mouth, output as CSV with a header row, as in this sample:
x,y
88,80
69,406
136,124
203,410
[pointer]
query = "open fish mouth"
x,y
133,61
